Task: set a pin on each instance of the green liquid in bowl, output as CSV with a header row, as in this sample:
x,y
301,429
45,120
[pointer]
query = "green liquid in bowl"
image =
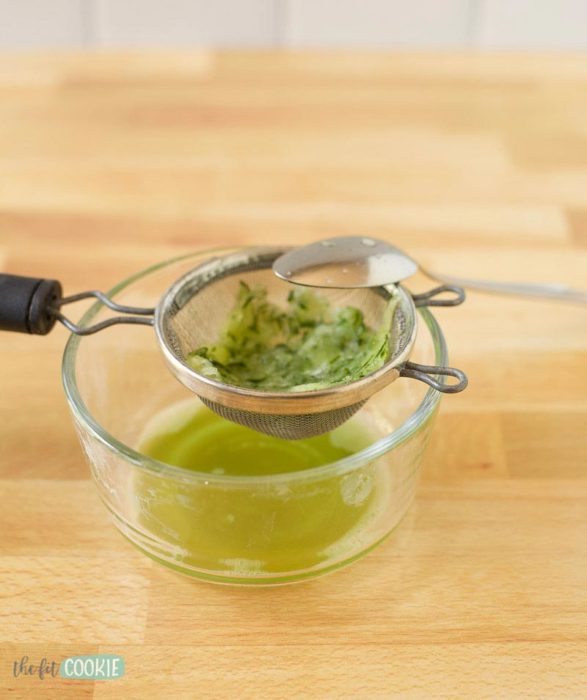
x,y
252,525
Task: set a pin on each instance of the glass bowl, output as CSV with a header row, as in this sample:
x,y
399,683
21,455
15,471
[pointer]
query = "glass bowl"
x,y
266,529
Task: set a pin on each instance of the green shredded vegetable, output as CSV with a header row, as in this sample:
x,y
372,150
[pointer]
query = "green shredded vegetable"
x,y
306,346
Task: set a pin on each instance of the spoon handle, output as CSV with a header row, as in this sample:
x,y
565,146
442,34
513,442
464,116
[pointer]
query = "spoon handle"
x,y
560,292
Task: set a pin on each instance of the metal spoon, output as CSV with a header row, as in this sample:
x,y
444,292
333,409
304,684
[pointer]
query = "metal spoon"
x,y
355,261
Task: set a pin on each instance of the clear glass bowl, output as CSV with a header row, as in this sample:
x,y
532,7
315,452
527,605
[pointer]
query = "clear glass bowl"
x,y
266,529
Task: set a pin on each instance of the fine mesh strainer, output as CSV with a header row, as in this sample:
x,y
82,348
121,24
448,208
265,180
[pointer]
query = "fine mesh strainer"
x,y
192,312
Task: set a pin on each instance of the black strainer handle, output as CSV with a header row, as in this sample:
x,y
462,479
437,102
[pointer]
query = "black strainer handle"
x,y
32,305
26,304
425,373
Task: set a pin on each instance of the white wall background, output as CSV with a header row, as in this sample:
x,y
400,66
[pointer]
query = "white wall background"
x,y
427,24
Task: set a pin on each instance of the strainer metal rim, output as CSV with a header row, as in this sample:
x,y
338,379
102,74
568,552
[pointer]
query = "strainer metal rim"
x,y
281,402
85,419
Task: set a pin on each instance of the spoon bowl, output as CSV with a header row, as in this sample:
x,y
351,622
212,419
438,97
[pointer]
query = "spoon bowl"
x,y
345,262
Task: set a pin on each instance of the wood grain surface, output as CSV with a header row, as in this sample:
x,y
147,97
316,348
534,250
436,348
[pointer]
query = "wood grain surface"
x,y
475,164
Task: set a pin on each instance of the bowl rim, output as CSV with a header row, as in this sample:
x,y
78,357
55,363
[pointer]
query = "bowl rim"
x,y
85,419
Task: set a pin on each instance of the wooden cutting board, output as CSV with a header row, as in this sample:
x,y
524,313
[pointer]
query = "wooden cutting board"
x,y
477,165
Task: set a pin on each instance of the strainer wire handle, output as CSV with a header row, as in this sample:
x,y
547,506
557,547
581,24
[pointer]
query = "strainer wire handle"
x,y
425,373
141,315
33,304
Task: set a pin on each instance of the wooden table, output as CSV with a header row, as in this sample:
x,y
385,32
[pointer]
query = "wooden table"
x,y
477,165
